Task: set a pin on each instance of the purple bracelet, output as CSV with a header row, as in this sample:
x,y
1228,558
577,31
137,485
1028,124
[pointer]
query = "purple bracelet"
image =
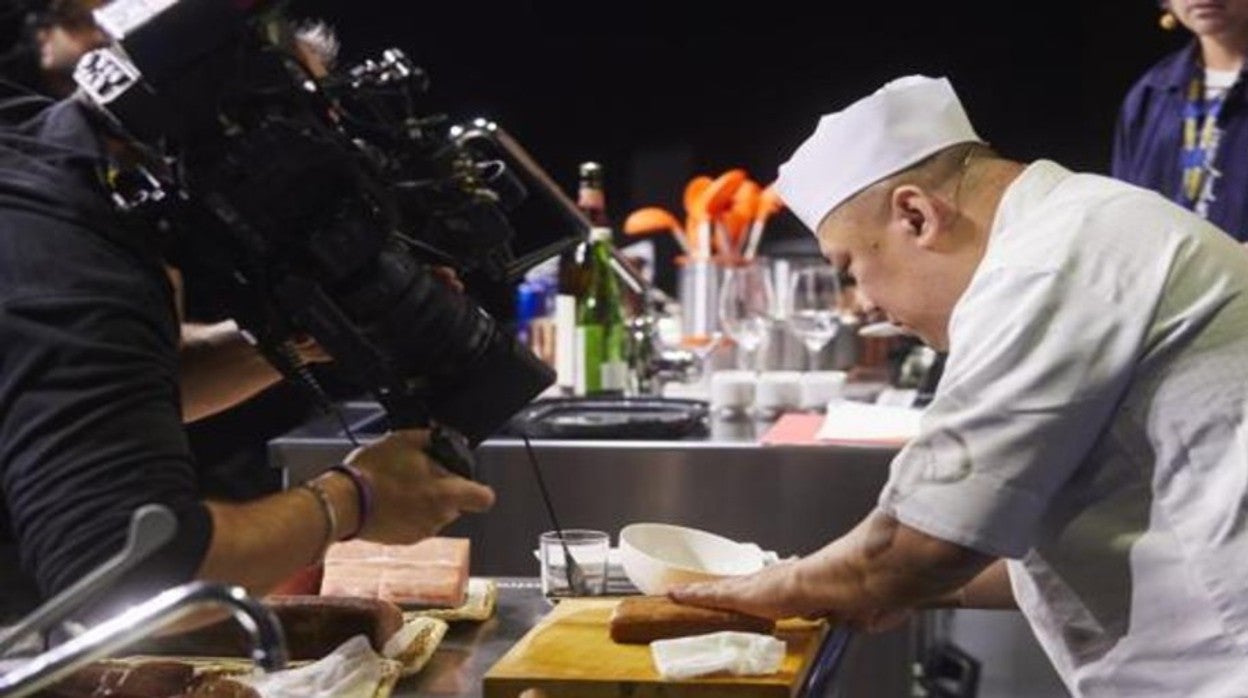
x,y
363,493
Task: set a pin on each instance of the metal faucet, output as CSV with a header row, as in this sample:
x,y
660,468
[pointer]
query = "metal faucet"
x,y
654,364
651,362
268,642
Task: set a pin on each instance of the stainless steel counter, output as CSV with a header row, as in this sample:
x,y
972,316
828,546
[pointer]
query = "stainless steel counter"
x,y
470,649
789,499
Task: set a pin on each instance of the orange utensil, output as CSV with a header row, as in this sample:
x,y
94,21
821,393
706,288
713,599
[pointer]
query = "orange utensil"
x,y
713,201
741,213
745,198
693,218
651,220
737,227
693,192
769,203
718,194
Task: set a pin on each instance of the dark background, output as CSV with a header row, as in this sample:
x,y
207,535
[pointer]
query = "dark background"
x,y
658,92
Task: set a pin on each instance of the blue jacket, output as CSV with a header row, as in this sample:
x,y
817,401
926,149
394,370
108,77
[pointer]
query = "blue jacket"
x,y
1148,139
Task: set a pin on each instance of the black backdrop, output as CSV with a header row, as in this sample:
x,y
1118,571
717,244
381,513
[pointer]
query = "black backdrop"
x,y
660,91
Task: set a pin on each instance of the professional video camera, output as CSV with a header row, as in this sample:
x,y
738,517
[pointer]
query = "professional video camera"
x,y
319,204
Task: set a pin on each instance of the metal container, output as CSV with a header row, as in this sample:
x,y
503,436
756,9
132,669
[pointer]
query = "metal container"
x,y
698,291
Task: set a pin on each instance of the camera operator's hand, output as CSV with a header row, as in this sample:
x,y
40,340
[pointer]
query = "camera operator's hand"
x,y
310,351
449,278
414,496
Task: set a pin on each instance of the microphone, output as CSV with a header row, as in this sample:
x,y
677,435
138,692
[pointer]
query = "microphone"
x,y
151,526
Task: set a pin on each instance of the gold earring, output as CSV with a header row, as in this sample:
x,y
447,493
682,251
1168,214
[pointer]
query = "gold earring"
x,y
1167,21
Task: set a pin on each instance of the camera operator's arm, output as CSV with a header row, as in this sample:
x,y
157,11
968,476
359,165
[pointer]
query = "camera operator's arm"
x,y
92,433
221,369
262,543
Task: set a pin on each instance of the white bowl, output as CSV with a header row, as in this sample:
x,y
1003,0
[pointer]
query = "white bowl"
x,y
657,557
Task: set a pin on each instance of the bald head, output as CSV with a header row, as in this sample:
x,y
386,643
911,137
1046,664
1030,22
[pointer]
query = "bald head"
x,y
947,170
914,239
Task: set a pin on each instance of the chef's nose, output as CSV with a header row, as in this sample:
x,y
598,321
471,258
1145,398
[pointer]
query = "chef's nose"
x,y
866,308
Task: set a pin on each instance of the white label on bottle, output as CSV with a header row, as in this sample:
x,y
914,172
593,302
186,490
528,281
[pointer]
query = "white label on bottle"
x,y
579,367
565,341
614,375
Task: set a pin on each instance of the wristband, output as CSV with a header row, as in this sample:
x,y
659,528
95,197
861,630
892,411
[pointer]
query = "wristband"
x,y
363,494
331,517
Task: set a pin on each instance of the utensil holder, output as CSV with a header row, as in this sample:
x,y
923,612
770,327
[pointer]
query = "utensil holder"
x,y
698,291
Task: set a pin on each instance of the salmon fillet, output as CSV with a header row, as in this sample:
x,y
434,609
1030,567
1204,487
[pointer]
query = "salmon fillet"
x,y
432,573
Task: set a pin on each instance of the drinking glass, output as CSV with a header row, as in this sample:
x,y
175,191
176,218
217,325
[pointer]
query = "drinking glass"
x,y
813,308
588,550
745,309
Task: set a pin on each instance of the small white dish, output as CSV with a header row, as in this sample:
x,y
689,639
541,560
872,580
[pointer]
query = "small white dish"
x,y
657,557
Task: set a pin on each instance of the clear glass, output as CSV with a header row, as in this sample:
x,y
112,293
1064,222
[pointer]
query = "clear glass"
x,y
746,300
589,550
813,312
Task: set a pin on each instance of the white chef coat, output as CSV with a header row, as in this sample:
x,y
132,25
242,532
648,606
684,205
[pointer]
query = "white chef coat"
x,y
1092,425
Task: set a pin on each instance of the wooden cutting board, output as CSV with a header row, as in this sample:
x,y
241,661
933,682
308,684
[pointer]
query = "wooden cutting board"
x,y
569,654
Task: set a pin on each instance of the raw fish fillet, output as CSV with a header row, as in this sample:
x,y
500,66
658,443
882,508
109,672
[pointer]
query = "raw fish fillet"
x,y
431,573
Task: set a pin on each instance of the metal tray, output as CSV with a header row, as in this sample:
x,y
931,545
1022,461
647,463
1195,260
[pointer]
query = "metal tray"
x,y
610,418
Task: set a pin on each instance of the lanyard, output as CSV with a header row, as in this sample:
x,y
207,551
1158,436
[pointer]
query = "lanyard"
x,y
1200,141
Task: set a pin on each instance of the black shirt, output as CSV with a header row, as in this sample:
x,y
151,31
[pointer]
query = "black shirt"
x,y
90,414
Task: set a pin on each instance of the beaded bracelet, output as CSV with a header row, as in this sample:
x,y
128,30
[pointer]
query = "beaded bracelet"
x,y
331,517
363,494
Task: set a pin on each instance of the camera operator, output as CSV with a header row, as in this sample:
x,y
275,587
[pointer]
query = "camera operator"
x,y
91,402
222,376
220,369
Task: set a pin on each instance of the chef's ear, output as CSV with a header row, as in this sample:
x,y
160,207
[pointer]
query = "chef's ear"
x,y
916,211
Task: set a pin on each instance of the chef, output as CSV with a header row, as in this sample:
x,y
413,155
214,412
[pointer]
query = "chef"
x,y
1086,454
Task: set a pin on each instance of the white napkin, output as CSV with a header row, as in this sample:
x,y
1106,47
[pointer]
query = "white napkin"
x,y
847,420
741,654
353,670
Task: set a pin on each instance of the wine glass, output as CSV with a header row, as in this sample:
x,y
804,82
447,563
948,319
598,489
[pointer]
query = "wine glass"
x,y
813,308
745,308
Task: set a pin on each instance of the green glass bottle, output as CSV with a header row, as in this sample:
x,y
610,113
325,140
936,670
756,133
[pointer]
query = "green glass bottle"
x,y
601,336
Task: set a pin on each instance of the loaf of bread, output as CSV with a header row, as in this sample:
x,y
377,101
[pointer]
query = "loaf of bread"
x,y
316,625
220,687
644,619
313,625
413,646
149,678
153,678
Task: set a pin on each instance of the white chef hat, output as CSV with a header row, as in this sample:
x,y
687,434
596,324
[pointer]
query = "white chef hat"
x,y
880,135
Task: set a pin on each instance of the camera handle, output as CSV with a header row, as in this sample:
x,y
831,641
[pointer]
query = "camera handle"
x,y
450,449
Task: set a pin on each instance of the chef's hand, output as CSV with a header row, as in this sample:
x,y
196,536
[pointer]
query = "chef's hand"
x,y
869,578
414,497
778,593
770,593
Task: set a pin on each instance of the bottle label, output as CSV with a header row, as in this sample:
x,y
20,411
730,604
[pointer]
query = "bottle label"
x,y
589,355
614,375
565,342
